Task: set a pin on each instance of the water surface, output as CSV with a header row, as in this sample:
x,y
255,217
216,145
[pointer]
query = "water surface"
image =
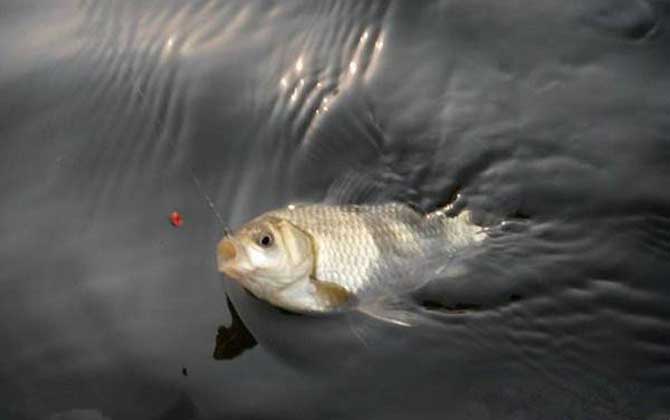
x,y
115,113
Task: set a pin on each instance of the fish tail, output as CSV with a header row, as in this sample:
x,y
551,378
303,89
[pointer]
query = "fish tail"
x,y
459,228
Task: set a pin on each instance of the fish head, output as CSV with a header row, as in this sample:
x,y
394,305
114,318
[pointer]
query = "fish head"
x,y
266,255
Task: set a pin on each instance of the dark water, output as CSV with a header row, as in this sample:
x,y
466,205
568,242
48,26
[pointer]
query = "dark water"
x,y
113,114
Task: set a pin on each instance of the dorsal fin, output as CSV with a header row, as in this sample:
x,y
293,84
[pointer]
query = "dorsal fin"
x,y
356,187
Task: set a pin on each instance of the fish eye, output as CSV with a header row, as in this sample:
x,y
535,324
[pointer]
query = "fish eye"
x,y
265,240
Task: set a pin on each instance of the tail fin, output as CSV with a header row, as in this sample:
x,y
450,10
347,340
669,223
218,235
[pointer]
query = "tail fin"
x,y
459,230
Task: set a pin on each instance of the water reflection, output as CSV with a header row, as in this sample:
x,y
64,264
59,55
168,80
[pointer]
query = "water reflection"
x,y
557,110
234,340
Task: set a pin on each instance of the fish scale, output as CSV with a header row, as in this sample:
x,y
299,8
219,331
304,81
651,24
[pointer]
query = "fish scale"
x,y
363,248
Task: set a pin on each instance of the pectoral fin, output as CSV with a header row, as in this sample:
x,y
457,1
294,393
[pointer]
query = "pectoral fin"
x,y
392,310
331,294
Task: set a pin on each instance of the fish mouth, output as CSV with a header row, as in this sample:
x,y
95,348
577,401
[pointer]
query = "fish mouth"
x,y
231,271
227,253
230,259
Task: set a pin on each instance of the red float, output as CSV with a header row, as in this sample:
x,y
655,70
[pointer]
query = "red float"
x,y
176,219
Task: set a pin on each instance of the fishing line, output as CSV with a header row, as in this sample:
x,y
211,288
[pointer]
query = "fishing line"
x,y
226,229
210,203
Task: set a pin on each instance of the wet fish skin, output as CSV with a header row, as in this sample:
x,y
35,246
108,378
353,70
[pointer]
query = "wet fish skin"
x,y
355,254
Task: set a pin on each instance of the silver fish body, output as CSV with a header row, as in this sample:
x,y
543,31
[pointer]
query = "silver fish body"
x,y
322,258
366,249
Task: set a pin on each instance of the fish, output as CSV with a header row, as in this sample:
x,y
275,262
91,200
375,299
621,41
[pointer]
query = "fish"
x,y
323,258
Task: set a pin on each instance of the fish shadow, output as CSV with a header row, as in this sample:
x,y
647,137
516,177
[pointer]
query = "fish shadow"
x,y
233,340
